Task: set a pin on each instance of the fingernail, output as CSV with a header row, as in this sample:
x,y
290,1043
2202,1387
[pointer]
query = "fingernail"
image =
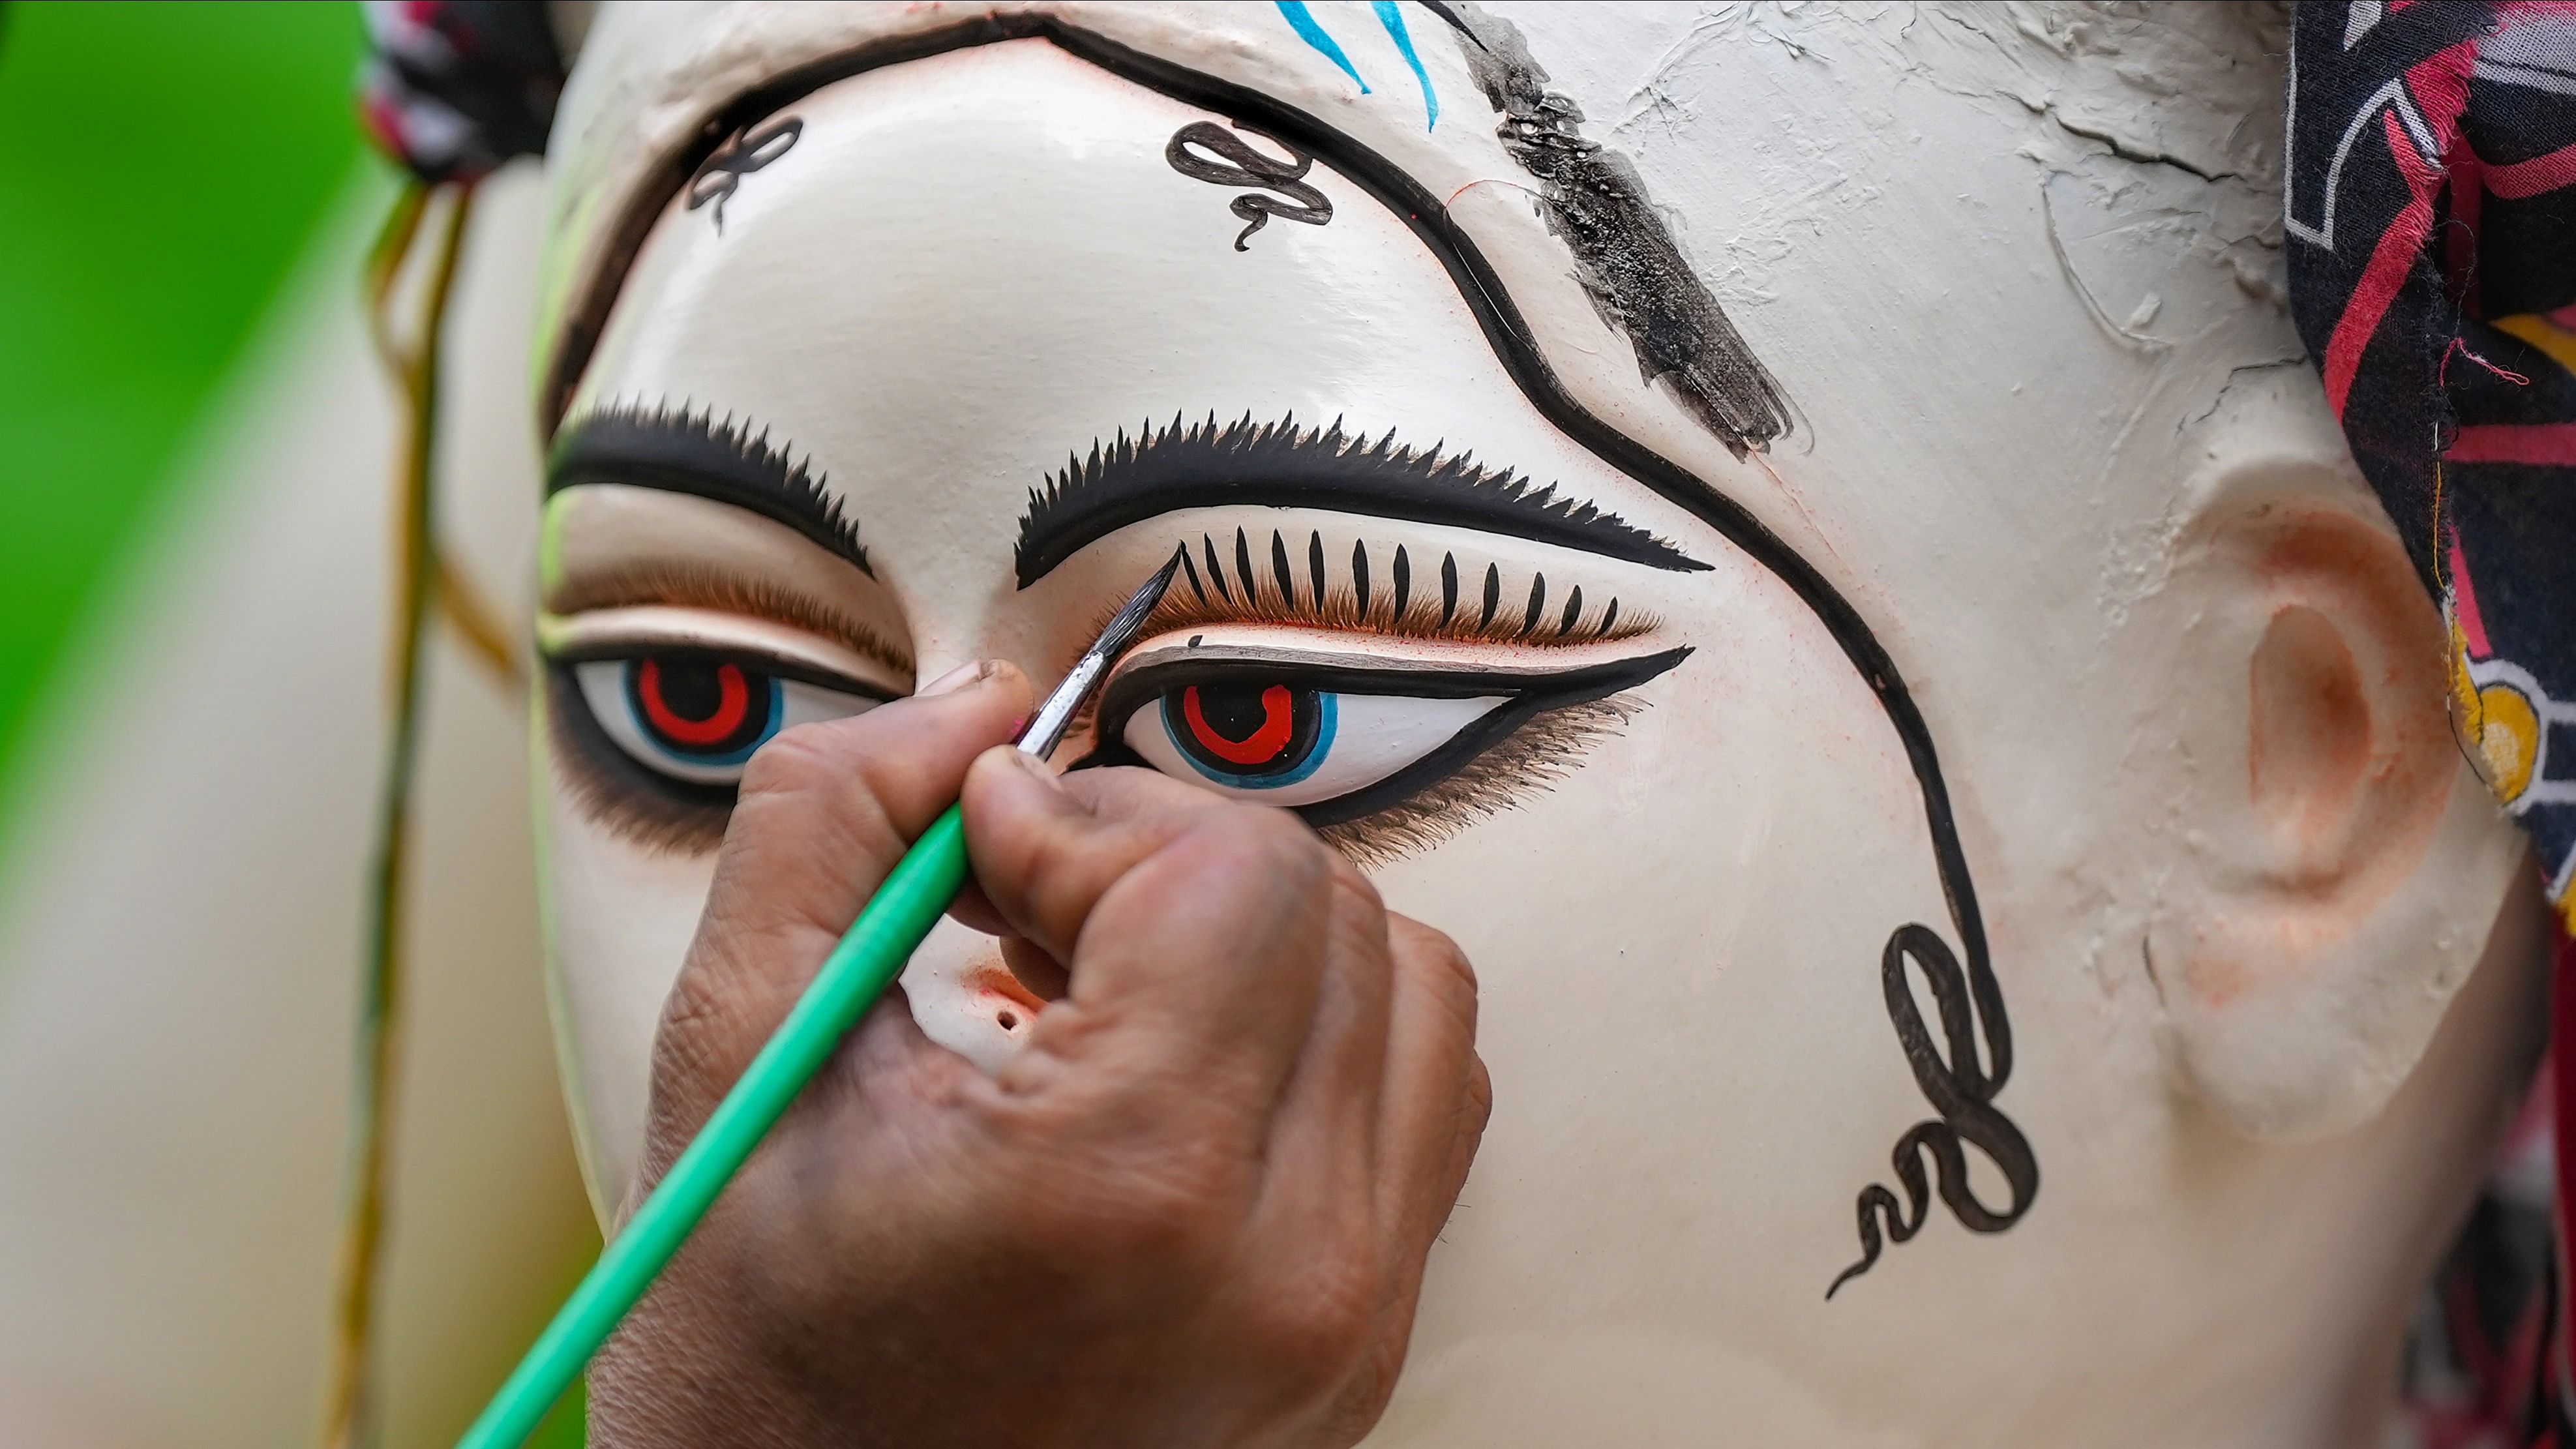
x,y
956,679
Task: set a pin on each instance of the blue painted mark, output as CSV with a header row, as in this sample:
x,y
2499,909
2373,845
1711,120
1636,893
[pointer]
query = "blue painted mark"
x,y
1302,20
1392,17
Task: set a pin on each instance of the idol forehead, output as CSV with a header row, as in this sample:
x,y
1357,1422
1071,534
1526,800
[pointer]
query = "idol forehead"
x,y
1064,301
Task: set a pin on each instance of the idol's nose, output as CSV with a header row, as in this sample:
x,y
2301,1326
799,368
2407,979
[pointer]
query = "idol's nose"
x,y
965,998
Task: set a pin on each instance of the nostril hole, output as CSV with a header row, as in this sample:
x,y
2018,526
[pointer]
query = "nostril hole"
x,y
1010,1020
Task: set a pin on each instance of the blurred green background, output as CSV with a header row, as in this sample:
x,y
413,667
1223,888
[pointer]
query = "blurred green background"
x,y
163,167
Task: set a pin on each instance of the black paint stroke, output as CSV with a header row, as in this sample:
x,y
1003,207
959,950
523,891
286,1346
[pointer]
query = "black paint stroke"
x,y
1207,464
717,180
1479,286
1250,168
681,451
1493,596
1448,588
1276,598
1625,257
1960,1088
1216,569
1526,695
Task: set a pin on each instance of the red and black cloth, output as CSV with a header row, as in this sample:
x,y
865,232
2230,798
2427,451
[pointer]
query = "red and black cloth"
x,y
454,88
2431,219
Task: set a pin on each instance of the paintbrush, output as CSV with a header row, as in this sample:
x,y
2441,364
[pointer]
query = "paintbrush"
x,y
916,893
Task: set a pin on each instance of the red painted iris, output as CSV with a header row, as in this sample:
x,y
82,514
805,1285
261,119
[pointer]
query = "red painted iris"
x,y
1245,730
700,706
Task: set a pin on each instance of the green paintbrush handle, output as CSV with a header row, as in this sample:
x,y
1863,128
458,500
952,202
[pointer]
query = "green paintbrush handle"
x,y
915,894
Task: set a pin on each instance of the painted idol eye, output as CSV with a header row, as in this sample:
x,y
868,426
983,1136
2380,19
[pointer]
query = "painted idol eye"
x,y
1337,741
699,717
1293,743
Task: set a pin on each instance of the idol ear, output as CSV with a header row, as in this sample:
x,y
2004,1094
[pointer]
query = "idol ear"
x,y
2330,867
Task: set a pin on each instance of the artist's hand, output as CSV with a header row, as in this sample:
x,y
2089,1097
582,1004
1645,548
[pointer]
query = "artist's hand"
x,y
1193,1211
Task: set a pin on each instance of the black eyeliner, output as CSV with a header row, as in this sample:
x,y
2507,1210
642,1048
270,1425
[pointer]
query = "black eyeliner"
x,y
1529,694
756,659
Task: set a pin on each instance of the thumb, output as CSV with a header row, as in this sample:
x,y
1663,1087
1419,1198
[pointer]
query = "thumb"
x,y
824,813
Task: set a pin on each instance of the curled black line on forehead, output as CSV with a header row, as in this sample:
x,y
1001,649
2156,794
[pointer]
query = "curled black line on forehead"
x,y
1278,464
680,451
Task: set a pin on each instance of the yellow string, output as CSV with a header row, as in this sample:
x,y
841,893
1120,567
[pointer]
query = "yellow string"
x,y
349,1420
477,623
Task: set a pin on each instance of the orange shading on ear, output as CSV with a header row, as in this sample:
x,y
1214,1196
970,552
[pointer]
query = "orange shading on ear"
x,y
2349,762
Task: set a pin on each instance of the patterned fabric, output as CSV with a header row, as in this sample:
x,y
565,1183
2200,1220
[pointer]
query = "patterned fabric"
x,y
457,87
2432,223
2432,256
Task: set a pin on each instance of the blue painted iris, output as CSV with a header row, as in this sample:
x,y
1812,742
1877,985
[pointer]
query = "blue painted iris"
x,y
702,711
698,717
1251,736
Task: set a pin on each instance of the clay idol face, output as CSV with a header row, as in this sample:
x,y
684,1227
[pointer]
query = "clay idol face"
x,y
960,350
2029,769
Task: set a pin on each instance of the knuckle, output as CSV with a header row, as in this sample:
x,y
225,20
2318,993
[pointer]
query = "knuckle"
x,y
793,761
808,785
1281,846
1165,1216
694,1016
1437,955
1325,1324
1480,1098
1347,882
1363,1399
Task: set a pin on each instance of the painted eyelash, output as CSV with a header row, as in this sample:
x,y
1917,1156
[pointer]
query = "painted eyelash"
x,y
1207,594
1166,466
630,429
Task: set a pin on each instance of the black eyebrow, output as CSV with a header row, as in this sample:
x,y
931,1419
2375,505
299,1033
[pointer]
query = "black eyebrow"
x,y
681,451
1280,465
